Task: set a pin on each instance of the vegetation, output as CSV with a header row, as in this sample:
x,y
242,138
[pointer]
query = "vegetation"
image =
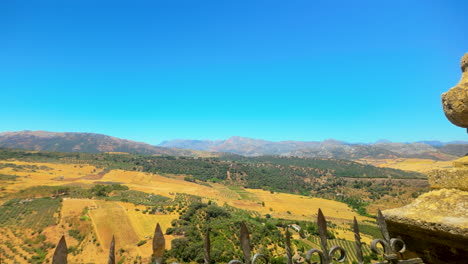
x,y
31,213
338,167
266,235
38,207
224,223
307,176
371,230
111,192
6,177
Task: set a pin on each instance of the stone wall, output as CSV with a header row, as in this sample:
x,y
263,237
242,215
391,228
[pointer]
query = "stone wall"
x,y
435,225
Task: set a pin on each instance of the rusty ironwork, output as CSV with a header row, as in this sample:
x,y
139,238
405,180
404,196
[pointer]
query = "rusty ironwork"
x,y
246,249
245,242
287,244
391,248
207,247
61,252
326,256
245,245
159,245
111,259
358,244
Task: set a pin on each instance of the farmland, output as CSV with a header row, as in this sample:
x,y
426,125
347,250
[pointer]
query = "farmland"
x,y
417,165
88,200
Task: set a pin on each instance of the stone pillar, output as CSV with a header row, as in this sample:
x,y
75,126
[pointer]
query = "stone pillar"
x,y
435,225
455,101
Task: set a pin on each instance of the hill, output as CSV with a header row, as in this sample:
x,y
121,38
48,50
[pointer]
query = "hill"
x,y
84,142
95,143
435,150
323,177
47,194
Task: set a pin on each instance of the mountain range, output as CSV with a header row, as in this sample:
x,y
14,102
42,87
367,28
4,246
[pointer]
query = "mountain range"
x,y
326,149
83,142
94,143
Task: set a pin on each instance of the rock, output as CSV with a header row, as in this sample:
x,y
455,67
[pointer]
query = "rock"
x,y
434,226
455,177
461,162
448,178
455,101
444,210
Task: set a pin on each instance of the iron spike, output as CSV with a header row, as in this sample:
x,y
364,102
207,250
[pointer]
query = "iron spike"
x,y
159,245
245,243
111,259
61,252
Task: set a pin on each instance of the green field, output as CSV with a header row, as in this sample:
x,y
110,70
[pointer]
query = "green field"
x,y
31,213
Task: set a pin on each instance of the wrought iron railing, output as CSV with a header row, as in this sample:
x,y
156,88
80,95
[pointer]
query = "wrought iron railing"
x,y
391,248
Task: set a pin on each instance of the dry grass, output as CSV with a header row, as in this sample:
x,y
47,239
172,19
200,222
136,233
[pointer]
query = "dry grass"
x,y
110,218
131,226
29,178
418,165
345,233
128,225
10,235
299,207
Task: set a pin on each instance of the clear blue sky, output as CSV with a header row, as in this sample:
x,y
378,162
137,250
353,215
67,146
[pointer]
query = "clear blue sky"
x,y
303,70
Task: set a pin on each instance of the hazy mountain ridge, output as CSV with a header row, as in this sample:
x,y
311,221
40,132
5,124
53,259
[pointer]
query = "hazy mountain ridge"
x,y
94,143
82,142
328,148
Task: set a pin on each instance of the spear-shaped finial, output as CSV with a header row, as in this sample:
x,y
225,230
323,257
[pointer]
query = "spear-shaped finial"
x,y
288,246
322,230
358,245
207,247
111,259
245,242
159,245
325,255
61,252
383,225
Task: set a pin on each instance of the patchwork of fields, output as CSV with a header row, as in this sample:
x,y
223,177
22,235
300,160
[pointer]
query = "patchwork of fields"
x,y
288,206
418,165
89,224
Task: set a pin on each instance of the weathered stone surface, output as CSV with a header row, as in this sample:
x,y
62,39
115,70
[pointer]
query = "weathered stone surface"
x,y
444,210
448,178
456,177
455,101
461,162
434,226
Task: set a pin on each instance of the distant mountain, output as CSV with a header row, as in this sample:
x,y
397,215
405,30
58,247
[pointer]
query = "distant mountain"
x,y
436,143
326,149
241,146
94,143
82,142
351,152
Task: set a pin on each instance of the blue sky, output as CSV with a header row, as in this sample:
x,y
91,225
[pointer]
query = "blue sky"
x,y
302,70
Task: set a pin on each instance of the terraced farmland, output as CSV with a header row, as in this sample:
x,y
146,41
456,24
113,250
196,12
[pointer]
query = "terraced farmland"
x,y
348,245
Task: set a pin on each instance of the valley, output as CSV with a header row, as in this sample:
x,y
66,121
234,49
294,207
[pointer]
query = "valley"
x,y
91,197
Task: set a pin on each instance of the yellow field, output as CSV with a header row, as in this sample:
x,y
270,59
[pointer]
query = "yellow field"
x,y
15,238
144,224
299,207
52,174
108,218
131,226
418,165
